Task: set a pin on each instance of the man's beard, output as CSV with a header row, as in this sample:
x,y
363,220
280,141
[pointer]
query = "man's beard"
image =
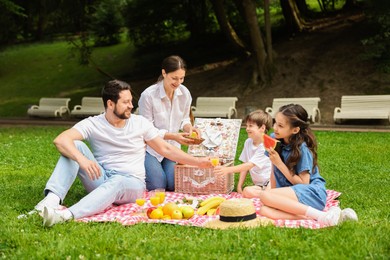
x,y
122,115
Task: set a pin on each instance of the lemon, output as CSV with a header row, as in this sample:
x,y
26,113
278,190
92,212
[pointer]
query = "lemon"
x,y
194,135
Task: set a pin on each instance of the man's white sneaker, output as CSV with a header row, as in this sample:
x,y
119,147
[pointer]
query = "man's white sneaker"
x,y
53,216
45,203
348,214
332,217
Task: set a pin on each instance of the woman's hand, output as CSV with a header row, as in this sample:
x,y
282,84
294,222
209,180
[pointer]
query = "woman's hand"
x,y
182,138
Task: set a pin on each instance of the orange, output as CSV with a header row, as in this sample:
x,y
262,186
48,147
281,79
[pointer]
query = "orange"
x,y
169,207
194,135
156,214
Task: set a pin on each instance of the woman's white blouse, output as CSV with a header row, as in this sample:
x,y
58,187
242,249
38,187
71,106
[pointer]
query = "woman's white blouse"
x,y
165,115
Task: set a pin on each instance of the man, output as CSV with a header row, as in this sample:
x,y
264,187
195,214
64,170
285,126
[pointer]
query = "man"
x,y
114,173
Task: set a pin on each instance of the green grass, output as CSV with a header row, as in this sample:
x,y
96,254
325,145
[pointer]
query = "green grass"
x,y
356,164
29,72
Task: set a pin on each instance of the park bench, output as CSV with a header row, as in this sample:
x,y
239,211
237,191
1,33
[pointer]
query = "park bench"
x,y
90,106
215,107
363,107
310,104
50,107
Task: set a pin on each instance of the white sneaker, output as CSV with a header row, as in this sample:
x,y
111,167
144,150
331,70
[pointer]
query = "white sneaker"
x,y
45,203
348,214
53,216
332,217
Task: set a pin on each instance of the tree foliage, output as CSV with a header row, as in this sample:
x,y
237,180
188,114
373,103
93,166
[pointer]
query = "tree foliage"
x,y
378,44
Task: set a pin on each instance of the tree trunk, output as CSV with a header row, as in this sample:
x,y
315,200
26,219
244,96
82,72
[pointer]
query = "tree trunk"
x,y
268,32
226,27
196,18
259,74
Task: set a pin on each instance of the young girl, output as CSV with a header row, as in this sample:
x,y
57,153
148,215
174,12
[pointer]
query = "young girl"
x,y
254,160
167,105
297,188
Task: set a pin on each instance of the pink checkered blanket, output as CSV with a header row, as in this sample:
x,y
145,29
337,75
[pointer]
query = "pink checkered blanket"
x,y
127,213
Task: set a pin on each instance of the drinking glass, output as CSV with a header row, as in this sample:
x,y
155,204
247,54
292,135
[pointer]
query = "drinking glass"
x,y
161,194
141,199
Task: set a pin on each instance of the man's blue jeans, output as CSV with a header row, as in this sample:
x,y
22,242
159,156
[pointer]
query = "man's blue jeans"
x,y
110,188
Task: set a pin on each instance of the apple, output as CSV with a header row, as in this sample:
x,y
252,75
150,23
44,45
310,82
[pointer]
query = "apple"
x,y
176,214
187,211
149,211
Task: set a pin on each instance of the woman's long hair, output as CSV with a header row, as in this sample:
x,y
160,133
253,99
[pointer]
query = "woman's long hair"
x,y
172,63
298,117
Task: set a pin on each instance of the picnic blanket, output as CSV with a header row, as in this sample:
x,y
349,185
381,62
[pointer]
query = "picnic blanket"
x,y
128,214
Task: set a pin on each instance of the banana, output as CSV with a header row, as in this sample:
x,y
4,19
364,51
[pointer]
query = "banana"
x,y
212,204
211,212
210,199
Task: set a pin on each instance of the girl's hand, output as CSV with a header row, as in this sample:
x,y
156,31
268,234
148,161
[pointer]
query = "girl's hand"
x,y
239,189
274,157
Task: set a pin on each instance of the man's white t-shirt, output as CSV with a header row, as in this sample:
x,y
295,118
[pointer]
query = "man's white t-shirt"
x,y
118,149
261,172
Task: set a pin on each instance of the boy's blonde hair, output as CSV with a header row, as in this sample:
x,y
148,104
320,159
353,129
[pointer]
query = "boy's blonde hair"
x,y
259,117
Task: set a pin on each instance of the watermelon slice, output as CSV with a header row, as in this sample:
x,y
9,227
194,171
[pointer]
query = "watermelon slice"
x,y
270,142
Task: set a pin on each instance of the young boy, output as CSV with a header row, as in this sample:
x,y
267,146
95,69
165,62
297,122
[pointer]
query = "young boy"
x,y
257,124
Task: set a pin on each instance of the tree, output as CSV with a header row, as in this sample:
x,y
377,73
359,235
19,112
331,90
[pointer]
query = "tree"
x,y
107,22
260,54
227,28
10,20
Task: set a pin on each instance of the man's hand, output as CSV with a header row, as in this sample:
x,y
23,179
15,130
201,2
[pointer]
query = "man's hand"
x,y
204,162
91,168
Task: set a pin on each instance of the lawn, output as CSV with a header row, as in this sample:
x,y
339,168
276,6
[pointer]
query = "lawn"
x,y
356,164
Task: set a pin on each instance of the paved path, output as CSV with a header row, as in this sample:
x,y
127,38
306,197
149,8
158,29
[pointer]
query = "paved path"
x,y
25,122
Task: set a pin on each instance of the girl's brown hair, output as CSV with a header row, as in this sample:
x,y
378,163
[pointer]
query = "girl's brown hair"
x,y
297,117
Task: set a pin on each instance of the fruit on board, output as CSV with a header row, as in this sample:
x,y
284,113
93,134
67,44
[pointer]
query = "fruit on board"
x,y
270,142
187,211
176,214
194,135
156,214
169,207
149,211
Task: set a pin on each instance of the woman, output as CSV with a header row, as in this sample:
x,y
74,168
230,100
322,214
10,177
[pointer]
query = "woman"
x,y
167,105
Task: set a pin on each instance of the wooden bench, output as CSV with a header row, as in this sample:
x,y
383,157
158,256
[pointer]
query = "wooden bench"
x,y
310,104
363,107
50,107
215,107
90,106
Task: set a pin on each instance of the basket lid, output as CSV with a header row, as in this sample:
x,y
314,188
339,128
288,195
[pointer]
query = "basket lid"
x,y
220,136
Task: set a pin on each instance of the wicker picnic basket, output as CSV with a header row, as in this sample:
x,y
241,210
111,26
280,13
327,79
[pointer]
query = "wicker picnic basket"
x,y
193,180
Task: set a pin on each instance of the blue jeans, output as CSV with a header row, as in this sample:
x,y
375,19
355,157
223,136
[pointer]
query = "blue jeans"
x,y
110,188
159,174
